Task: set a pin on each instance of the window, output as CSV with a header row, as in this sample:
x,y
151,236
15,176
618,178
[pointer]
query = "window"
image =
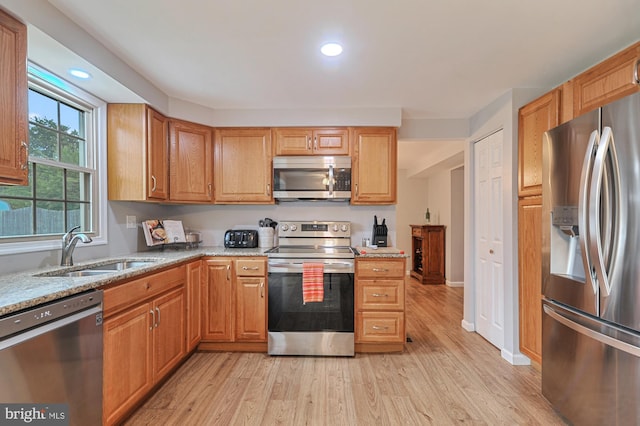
x,y
63,170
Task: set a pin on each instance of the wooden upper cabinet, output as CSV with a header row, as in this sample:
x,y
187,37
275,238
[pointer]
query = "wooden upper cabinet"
x,y
534,119
309,141
608,81
191,162
243,166
14,155
374,165
137,153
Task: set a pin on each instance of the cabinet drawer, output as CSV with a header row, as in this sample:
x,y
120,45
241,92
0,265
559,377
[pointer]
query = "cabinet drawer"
x,y
380,327
382,295
250,267
375,268
416,232
121,296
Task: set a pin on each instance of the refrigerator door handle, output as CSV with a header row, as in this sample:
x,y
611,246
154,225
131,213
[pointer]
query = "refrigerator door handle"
x,y
597,209
583,211
602,338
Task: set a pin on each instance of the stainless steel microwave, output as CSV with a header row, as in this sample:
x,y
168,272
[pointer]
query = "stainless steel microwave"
x,y
311,178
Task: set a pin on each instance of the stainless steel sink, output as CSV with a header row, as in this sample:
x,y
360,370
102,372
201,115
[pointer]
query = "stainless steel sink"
x,y
97,268
121,265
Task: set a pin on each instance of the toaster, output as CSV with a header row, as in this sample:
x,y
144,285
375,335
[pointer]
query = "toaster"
x,y
241,238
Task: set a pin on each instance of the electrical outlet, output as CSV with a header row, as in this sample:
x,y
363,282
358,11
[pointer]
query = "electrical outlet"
x,y
132,223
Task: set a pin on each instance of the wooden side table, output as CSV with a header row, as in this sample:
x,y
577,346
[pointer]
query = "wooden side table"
x,y
427,254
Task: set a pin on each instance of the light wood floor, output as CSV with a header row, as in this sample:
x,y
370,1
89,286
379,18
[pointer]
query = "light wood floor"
x,y
445,376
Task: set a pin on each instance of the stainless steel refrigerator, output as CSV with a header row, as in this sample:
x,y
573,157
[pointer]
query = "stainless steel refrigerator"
x,y
591,266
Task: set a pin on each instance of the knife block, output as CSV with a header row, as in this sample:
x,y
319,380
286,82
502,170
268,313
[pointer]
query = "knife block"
x,y
379,235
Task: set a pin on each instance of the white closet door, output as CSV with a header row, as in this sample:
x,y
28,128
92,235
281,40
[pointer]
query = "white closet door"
x,y
489,239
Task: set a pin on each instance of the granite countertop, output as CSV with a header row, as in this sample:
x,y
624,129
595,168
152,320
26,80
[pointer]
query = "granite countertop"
x,y
30,288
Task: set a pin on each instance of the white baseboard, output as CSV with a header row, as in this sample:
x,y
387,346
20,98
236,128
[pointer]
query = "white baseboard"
x,y
515,359
455,283
469,326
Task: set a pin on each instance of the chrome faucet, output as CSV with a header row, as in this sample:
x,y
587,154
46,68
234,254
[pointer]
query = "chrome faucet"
x,y
69,241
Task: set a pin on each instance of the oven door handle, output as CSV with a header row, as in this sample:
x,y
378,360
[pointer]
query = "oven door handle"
x,y
296,267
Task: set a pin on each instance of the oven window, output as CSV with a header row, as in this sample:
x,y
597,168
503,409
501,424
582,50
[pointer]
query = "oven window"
x,y
288,313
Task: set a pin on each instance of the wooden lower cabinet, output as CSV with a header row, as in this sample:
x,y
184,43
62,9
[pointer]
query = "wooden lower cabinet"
x,y
530,276
380,304
144,338
235,304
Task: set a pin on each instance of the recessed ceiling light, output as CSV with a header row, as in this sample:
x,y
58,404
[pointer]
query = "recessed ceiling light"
x,y
79,73
331,49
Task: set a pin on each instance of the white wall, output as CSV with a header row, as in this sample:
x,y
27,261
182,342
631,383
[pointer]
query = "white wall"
x,y
457,231
500,114
412,205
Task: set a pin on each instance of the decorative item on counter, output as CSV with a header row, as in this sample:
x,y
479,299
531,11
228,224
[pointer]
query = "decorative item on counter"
x,y
193,239
427,216
159,232
379,233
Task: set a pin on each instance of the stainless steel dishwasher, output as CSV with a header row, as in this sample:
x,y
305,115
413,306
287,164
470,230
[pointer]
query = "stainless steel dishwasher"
x,y
52,354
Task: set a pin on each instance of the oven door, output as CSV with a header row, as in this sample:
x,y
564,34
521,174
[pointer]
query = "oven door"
x,y
316,328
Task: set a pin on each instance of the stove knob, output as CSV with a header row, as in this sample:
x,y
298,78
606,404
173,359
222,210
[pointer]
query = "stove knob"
x,y
293,228
344,228
284,227
335,227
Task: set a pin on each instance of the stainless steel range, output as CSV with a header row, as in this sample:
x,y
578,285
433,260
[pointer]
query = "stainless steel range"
x,y
324,326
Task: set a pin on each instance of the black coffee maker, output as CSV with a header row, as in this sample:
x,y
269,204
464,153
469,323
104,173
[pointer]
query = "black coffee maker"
x,y
379,233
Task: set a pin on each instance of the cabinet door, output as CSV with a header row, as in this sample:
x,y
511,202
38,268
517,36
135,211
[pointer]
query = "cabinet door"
x,y
243,166
191,166
374,166
611,79
293,141
168,332
251,309
530,276
13,102
137,153
218,301
433,256
331,141
194,301
534,119
127,374
157,155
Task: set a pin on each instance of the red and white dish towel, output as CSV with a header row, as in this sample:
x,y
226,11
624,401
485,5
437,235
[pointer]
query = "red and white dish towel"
x,y
312,282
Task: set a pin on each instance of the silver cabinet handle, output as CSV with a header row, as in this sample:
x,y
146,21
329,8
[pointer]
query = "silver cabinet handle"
x,y
262,289
25,148
379,295
228,272
377,327
308,143
635,72
209,186
153,185
315,143
153,319
380,270
268,189
158,311
253,268
356,189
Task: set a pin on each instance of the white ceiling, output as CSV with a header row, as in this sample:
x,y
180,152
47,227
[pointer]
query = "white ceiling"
x,y
432,59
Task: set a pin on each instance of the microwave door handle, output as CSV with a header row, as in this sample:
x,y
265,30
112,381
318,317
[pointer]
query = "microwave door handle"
x,y
583,211
331,179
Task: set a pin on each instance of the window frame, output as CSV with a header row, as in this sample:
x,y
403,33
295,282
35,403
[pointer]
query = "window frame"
x,y
50,85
